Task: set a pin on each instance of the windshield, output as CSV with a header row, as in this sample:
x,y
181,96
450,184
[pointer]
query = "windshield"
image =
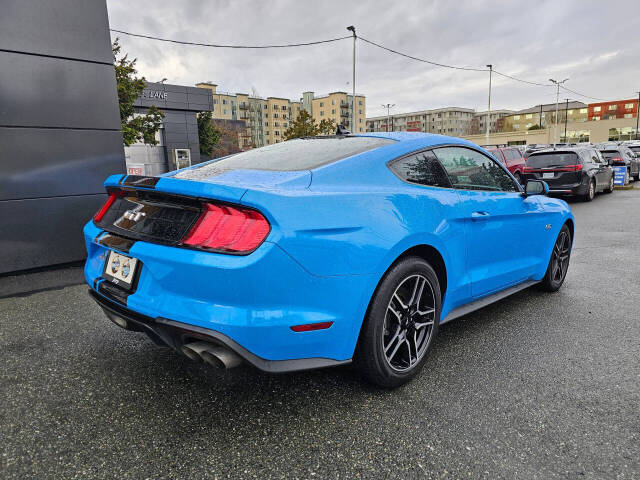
x,y
608,154
298,154
552,159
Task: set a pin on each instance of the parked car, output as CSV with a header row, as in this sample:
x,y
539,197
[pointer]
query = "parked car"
x,y
624,156
512,158
580,171
318,251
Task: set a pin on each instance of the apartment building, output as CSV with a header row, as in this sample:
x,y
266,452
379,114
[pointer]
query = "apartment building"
x,y
452,121
337,106
496,121
612,110
544,115
266,119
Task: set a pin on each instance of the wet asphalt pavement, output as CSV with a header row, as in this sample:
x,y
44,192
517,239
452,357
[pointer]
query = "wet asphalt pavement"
x,y
535,386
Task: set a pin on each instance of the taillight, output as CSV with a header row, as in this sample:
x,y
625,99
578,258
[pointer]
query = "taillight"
x,y
107,205
228,228
526,169
616,159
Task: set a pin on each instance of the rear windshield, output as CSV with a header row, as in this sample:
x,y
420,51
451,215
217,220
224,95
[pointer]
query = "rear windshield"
x,y
610,153
635,148
552,159
298,154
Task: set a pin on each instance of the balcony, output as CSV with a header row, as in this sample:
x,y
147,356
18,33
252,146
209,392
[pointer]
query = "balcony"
x,y
344,113
243,106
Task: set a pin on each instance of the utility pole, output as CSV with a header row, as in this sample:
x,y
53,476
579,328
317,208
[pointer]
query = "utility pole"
x,y
566,115
388,106
489,105
352,29
637,115
540,123
555,127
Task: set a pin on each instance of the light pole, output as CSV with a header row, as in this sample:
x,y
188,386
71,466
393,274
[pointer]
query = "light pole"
x,y
489,105
352,29
637,114
555,127
566,115
388,106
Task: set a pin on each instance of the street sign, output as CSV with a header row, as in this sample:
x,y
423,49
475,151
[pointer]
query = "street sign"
x,y
620,176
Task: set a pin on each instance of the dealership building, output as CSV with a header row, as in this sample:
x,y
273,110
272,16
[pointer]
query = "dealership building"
x,y
178,143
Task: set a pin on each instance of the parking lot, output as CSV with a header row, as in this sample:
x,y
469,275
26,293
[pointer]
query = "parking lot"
x,y
535,386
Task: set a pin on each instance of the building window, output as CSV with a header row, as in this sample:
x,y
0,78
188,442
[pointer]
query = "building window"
x,y
360,111
613,107
224,101
285,124
628,106
265,106
333,112
360,121
360,102
321,104
628,115
596,118
266,124
333,102
621,133
276,133
215,101
528,116
612,117
321,113
516,117
225,111
583,110
597,109
275,115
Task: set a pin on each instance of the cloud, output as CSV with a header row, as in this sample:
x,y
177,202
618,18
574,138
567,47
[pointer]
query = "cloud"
x,y
589,42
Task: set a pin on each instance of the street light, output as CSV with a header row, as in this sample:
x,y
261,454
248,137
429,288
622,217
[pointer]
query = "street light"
x,y
489,105
163,80
555,128
388,106
352,29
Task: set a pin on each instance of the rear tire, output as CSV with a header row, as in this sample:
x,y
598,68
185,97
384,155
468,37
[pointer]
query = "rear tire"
x,y
518,177
400,325
591,191
559,261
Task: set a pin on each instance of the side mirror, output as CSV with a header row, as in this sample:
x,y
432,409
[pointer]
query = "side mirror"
x,y
536,187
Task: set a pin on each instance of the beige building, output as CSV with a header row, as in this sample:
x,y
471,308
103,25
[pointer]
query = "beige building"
x,y
580,131
452,121
337,106
496,121
543,115
265,119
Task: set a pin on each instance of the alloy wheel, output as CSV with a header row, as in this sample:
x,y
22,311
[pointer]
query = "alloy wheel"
x,y
560,257
408,323
592,190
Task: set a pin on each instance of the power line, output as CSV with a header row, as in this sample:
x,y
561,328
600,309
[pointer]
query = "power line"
x,y
214,45
521,80
581,94
422,59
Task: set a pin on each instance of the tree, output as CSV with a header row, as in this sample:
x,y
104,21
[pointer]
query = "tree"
x,y
228,142
304,126
208,134
140,127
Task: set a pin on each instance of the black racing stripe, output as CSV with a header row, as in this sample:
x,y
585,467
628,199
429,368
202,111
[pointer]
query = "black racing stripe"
x,y
140,181
116,242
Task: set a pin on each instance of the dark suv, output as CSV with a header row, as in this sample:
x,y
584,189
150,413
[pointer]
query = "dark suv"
x,y
578,171
623,156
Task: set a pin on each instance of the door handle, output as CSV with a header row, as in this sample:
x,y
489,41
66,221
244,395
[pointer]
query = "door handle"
x,y
480,214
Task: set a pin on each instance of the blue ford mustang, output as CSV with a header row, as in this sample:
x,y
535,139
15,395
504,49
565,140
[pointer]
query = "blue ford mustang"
x,y
321,251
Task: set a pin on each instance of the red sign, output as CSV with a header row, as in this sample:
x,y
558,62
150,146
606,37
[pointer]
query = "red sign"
x,y
134,170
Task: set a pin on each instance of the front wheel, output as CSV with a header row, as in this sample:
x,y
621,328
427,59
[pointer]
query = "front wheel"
x,y
591,191
400,325
559,261
609,189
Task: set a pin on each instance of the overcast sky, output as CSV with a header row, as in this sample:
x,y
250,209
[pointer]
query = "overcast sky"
x,y
596,44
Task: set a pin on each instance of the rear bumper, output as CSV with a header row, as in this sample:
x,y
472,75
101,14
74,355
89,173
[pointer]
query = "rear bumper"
x,y
251,301
176,334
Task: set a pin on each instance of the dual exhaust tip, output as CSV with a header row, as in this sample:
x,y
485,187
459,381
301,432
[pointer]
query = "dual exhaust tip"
x,y
214,355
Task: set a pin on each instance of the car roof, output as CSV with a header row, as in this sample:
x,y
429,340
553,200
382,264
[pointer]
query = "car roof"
x,y
419,139
561,150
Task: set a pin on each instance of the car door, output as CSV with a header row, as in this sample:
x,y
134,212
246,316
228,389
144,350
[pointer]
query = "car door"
x,y
505,228
601,169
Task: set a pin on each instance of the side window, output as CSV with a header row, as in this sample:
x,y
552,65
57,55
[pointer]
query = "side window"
x,y
422,168
471,170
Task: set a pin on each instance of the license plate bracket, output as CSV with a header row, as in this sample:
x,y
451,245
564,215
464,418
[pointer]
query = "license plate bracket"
x,y
121,270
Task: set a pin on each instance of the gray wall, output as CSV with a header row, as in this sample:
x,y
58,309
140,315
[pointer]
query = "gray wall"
x,y
59,127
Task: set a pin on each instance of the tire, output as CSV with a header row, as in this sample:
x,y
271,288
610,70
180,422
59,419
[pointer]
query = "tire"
x,y
591,191
560,256
392,348
609,189
518,177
